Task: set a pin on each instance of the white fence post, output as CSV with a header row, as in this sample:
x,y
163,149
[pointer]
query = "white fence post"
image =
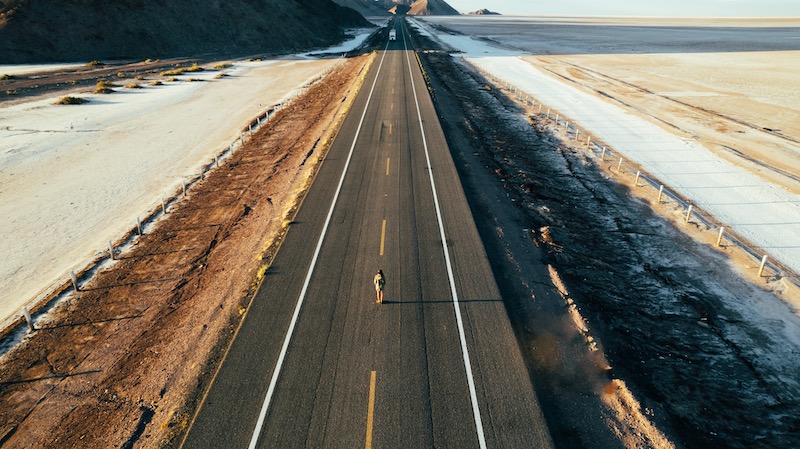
x,y
763,264
111,250
689,213
619,166
74,280
603,155
139,226
163,206
636,181
29,319
660,193
719,237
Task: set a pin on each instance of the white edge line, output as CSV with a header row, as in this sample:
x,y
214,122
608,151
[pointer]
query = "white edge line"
x,y
467,365
277,371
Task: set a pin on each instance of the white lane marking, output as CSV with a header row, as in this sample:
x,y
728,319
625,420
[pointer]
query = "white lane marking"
x,y
276,373
476,412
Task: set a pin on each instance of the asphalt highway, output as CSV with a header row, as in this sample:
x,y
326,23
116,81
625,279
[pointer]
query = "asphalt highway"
x,y
317,363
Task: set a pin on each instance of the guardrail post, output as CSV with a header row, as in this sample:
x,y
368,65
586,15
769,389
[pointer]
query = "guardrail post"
x,y
660,193
636,181
763,264
589,141
139,226
111,250
619,166
74,280
577,133
163,206
183,186
719,237
28,319
603,154
689,213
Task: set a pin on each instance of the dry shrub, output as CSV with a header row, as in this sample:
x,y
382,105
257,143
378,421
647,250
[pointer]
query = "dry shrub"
x,y
71,100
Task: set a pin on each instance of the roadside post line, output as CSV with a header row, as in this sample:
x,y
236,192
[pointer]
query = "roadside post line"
x,y
660,193
476,412
279,364
689,213
719,237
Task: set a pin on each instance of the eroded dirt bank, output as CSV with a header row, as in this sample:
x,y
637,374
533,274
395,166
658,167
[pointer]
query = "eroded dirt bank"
x,y
696,357
123,362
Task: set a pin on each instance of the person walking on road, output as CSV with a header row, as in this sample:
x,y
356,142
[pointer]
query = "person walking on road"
x,y
379,280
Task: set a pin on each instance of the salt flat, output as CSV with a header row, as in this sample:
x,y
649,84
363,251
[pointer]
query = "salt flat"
x,y
689,100
73,177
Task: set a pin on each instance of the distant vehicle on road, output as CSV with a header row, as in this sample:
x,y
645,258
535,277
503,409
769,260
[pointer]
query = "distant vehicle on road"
x,y
392,34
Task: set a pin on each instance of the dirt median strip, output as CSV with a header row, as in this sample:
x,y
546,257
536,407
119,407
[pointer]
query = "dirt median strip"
x,y
125,360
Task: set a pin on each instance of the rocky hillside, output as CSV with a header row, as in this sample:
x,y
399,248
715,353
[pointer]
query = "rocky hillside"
x,y
368,8
416,7
432,8
79,30
483,12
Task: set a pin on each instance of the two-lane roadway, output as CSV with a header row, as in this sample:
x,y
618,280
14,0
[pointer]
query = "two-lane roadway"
x,y
317,363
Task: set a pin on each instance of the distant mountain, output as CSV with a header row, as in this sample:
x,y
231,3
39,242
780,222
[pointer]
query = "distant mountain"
x,y
415,7
80,30
484,12
432,8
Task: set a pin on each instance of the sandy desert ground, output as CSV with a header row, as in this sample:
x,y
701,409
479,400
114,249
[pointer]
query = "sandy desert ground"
x,y
74,177
729,83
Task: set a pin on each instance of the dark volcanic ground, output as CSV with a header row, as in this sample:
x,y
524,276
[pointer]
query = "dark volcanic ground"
x,y
712,359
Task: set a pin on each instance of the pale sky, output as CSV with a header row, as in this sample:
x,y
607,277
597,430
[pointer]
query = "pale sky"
x,y
676,8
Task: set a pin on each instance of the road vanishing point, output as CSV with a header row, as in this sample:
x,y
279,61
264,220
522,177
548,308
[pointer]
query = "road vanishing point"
x,y
317,362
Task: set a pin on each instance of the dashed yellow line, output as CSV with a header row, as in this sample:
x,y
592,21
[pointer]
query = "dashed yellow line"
x,y
388,160
371,407
383,235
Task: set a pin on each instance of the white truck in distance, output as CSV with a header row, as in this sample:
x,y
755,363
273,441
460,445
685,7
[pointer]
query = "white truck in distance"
x,y
392,34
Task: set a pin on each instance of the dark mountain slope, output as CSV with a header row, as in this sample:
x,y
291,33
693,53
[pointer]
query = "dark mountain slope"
x,y
75,30
415,7
367,8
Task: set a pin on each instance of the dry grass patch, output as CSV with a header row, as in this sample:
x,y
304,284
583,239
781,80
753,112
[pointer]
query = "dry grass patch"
x,y
104,87
71,100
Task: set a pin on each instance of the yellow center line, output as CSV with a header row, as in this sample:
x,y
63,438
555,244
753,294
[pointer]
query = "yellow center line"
x,y
383,235
390,128
387,165
371,407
